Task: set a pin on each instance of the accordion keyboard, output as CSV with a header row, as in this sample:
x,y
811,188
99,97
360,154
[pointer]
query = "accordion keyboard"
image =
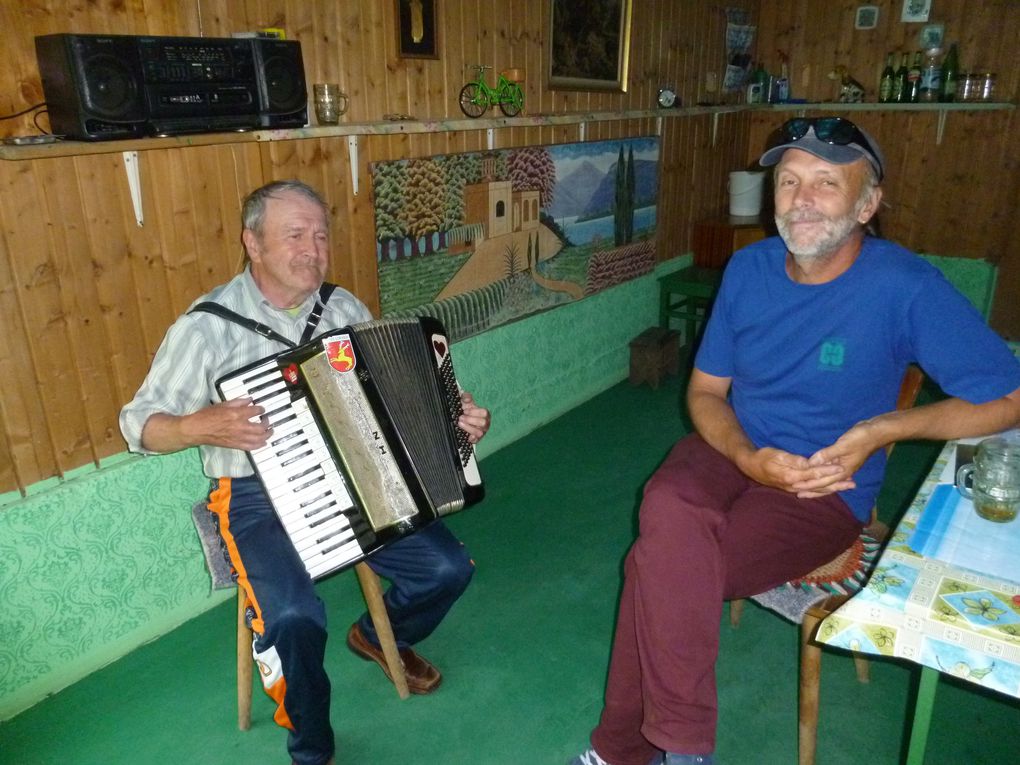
x,y
308,492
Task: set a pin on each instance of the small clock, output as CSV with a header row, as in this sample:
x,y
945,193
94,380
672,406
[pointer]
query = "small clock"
x,y
667,98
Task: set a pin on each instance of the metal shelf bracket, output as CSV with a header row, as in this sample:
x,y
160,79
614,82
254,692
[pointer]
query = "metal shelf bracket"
x,y
134,184
352,154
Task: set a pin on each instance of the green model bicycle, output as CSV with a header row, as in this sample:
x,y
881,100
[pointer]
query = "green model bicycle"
x,y
476,97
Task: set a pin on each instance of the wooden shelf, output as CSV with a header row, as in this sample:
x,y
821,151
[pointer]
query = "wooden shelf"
x,y
393,127
347,129
970,106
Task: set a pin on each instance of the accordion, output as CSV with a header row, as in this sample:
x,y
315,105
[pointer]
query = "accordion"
x,y
365,447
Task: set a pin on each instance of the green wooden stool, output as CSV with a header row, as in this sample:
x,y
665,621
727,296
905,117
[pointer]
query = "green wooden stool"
x,y
686,295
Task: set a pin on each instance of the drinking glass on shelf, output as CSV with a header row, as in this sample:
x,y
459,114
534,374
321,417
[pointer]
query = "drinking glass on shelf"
x,y
330,102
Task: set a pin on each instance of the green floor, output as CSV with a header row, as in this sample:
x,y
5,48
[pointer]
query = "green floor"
x,y
524,653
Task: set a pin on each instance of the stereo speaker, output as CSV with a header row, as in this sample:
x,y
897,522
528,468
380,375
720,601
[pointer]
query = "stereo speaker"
x,y
283,93
93,85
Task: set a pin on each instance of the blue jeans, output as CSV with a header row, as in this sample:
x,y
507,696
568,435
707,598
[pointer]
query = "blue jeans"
x,y
428,571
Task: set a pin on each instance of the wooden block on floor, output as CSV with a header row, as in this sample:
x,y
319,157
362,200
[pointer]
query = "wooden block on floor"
x,y
654,353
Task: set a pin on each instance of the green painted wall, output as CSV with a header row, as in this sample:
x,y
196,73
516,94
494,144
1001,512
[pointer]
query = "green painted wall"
x,y
102,562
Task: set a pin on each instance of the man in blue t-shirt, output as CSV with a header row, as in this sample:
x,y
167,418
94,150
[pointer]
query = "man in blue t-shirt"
x,y
793,399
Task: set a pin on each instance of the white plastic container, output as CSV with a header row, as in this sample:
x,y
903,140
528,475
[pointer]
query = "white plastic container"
x,y
745,193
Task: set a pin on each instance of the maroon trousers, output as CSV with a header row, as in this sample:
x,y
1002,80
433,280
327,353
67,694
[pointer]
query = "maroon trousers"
x,y
707,534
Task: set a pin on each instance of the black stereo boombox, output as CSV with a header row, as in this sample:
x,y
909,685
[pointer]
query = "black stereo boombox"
x,y
103,87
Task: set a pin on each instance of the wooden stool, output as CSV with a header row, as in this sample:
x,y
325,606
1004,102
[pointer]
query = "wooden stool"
x,y
652,353
220,575
686,295
372,591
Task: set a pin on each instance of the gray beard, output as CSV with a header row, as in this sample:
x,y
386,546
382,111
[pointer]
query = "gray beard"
x,y
836,232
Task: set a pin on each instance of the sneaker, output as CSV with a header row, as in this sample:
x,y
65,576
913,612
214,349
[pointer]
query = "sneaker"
x,y
591,757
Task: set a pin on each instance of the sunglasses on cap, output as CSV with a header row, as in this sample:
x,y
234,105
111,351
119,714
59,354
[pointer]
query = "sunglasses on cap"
x,y
831,130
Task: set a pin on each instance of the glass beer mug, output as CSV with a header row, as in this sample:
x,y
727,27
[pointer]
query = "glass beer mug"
x,y
992,481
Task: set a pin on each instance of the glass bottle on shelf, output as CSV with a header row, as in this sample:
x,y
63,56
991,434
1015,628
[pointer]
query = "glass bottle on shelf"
x,y
885,84
901,94
913,90
931,77
950,75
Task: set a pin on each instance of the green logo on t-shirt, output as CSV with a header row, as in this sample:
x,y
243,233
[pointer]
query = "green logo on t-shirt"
x,y
832,355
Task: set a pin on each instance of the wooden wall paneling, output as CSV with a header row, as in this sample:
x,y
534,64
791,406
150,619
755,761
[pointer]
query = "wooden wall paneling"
x,y
261,13
453,57
652,54
108,212
141,289
356,217
821,35
301,19
814,55
492,53
18,467
89,348
510,54
211,221
355,28
64,429
370,51
238,173
398,83
47,306
28,434
975,231
22,87
361,274
527,48
687,49
324,37
218,18
1006,310
666,215
176,198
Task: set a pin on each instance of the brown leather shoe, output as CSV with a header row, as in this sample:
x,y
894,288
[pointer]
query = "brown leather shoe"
x,y
422,677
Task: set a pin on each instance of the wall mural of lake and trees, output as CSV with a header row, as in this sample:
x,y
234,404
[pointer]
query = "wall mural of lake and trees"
x,y
484,238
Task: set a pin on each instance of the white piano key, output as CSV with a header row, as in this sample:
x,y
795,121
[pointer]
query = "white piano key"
x,y
281,475
239,387
338,529
322,564
295,501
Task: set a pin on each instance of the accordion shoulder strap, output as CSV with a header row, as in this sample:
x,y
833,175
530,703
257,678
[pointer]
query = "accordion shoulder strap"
x,y
325,291
259,328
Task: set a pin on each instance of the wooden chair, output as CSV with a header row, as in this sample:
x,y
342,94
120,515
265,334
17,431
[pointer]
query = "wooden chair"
x,y
853,558
219,572
371,589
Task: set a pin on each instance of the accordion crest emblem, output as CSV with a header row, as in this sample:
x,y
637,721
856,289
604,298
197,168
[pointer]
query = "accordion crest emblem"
x,y
341,355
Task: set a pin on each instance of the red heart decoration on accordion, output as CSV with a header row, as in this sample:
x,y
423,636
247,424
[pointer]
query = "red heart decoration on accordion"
x,y
440,347
291,374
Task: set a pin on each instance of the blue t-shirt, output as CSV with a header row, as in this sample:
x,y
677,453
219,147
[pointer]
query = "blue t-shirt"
x,y
807,362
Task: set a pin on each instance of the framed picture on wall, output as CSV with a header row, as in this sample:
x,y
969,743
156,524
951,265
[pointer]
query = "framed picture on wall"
x,y
589,44
416,29
916,10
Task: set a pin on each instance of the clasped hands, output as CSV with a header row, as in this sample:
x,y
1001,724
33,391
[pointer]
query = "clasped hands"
x,y
827,471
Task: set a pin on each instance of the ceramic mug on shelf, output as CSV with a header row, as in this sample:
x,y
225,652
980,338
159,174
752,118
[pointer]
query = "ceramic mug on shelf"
x,y
992,480
330,102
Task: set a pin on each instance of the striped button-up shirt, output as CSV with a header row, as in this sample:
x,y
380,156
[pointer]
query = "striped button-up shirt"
x,y
200,347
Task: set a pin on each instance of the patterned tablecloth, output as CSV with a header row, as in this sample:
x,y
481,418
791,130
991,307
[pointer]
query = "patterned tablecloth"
x,y
960,621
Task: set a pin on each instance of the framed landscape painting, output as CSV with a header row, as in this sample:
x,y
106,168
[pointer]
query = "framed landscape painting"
x,y
589,44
